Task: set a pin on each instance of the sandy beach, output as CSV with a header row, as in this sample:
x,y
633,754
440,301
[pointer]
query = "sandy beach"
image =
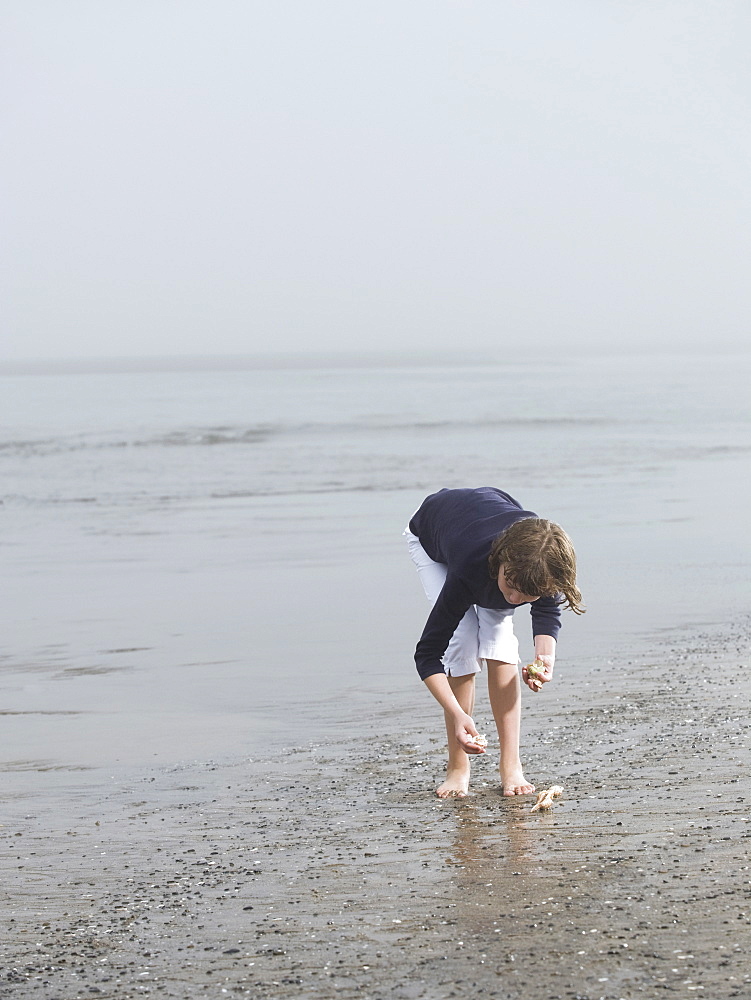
x,y
219,763
331,870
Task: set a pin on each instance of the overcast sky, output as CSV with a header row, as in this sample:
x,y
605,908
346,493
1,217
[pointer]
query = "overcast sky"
x,y
233,176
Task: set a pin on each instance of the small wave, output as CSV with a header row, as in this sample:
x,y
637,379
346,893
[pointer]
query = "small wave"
x,y
323,489
41,447
203,437
42,711
480,422
40,765
190,437
24,500
386,424
145,500
210,436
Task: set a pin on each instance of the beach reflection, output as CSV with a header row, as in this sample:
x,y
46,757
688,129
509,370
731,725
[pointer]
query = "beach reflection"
x,y
500,858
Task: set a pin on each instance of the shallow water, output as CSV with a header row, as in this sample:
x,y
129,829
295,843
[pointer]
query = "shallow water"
x,y
207,563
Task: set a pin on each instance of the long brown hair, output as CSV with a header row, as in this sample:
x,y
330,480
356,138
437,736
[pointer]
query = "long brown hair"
x,y
538,558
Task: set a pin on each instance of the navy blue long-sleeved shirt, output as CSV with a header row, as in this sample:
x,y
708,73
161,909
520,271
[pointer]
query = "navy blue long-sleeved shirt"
x,y
458,528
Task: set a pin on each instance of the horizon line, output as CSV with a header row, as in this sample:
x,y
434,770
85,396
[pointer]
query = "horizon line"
x,y
136,364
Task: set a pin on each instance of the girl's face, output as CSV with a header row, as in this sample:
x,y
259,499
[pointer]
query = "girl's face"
x,y
511,594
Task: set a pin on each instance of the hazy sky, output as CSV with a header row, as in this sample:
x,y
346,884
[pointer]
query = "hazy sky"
x,y
233,176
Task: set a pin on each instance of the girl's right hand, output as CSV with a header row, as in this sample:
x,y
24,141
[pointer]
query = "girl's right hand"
x,y
464,731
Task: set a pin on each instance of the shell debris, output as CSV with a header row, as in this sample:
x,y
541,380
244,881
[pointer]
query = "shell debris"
x,y
546,796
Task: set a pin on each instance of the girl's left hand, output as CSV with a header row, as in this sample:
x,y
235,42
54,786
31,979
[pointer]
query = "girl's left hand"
x,y
544,662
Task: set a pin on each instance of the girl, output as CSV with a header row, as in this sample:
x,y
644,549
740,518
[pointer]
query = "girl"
x,y
479,556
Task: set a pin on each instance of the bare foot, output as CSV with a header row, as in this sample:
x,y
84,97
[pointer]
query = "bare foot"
x,y
456,784
513,781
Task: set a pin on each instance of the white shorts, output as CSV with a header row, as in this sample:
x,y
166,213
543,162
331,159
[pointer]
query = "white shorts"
x,y
482,634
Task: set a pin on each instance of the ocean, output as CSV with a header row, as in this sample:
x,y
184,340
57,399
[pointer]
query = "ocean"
x,y
206,563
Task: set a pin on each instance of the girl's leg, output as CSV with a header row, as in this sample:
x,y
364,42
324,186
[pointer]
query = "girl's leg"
x,y
457,770
504,691
461,657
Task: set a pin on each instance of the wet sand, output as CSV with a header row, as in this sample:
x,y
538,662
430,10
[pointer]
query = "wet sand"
x,y
332,870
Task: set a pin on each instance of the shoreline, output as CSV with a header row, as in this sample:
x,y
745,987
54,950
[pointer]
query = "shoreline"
x,y
332,870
